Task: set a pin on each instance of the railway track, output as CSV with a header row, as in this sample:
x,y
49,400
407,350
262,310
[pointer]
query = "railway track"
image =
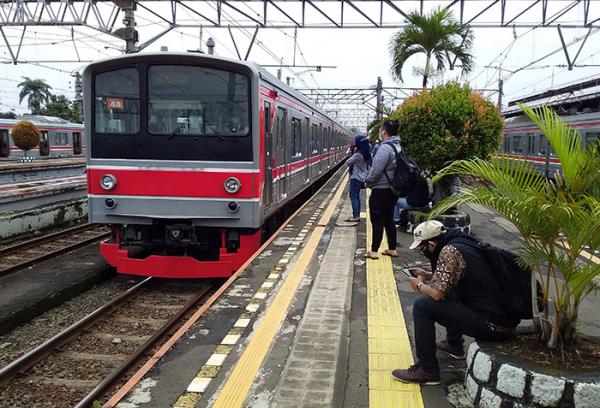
x,y
78,365
27,253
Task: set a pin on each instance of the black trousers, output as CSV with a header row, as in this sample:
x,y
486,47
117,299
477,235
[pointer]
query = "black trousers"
x,y
381,210
458,320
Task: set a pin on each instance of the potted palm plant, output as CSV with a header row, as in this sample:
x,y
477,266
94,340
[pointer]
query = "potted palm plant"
x,y
559,221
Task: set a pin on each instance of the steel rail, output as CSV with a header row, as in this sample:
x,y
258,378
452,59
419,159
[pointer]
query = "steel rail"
x,y
139,374
46,239
116,374
29,359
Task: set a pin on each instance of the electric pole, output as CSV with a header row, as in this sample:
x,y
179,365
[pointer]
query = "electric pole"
x,y
379,91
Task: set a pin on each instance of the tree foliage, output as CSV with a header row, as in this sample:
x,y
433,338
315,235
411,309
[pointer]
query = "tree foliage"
x,y
448,123
61,107
25,135
558,218
437,35
37,92
8,115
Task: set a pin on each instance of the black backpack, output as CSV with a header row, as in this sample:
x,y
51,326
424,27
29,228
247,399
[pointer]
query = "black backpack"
x,y
514,280
406,174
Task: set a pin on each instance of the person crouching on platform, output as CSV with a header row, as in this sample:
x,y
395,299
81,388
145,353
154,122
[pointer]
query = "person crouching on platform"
x,y
463,296
382,200
358,164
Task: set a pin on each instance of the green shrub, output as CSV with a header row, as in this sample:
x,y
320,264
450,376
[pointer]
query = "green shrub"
x,y
447,123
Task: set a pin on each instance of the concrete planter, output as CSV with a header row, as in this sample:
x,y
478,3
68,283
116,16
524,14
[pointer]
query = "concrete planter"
x,y
497,380
460,220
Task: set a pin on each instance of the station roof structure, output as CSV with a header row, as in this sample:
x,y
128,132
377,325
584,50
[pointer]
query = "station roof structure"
x,y
118,22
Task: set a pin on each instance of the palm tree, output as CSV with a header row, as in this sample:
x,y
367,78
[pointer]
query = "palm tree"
x,y
37,92
558,218
436,35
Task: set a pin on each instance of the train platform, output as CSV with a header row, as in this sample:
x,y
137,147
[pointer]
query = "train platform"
x,y
14,171
308,322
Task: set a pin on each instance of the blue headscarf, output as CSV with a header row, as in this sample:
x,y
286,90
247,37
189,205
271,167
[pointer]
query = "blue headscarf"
x,y
364,147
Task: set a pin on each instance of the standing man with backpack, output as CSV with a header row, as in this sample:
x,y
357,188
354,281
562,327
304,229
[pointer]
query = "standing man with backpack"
x,y
382,199
467,294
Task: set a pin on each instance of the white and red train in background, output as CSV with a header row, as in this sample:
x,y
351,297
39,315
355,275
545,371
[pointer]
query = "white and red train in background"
x,y
190,156
524,140
59,138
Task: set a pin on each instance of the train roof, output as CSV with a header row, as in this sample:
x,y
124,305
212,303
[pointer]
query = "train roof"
x,y
256,68
41,120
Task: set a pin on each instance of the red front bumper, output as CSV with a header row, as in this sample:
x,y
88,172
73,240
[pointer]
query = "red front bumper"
x,y
181,266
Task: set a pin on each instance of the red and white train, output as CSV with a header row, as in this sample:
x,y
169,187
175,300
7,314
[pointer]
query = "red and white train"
x,y
191,155
524,140
60,138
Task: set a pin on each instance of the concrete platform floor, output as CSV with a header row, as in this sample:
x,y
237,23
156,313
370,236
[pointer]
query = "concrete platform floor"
x,y
309,322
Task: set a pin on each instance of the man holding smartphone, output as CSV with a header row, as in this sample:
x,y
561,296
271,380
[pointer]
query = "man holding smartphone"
x,y
462,295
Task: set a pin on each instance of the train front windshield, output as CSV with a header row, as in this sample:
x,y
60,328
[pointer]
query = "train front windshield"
x,y
184,113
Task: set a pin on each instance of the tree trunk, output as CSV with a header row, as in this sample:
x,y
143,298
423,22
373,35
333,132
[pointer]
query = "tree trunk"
x,y
426,71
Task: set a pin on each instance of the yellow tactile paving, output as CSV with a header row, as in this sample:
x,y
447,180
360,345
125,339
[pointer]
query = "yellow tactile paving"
x,y
388,342
238,384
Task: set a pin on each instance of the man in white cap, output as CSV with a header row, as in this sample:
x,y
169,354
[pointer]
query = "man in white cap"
x,y
463,296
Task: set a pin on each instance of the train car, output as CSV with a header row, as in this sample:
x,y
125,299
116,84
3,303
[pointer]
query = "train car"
x,y
190,157
60,138
524,140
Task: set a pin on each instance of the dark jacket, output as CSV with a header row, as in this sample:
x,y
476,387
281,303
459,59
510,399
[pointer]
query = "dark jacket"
x,y
478,288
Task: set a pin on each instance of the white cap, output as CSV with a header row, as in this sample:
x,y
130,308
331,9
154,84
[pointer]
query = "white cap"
x,y
427,230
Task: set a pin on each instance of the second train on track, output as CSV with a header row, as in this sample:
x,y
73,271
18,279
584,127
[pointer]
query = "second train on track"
x,y
190,157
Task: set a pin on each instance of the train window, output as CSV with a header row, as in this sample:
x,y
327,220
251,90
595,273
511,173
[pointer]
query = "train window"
x,y
267,117
530,143
518,144
117,101
592,139
314,146
4,143
296,138
196,101
60,139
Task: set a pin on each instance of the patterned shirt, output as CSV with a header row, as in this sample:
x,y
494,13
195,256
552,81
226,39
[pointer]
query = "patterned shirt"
x,y
449,270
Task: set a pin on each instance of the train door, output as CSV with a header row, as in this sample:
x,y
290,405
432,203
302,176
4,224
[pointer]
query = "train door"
x,y
282,159
4,143
320,145
268,190
44,145
76,142
307,144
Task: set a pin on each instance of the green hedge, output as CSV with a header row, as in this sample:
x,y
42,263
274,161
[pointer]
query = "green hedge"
x,y
447,123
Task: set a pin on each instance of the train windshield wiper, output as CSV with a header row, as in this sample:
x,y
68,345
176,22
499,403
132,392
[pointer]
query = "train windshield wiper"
x,y
177,129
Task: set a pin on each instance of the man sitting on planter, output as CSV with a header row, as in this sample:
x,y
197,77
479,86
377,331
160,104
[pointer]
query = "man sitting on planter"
x,y
463,296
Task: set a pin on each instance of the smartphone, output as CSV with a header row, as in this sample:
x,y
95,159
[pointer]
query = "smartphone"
x,y
408,273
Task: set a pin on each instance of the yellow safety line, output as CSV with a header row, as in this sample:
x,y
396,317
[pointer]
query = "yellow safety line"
x,y
238,384
389,346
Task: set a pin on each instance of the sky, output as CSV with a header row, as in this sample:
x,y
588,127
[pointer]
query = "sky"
x,y
359,55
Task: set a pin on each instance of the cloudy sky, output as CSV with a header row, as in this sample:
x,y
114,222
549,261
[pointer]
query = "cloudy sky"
x,y
360,55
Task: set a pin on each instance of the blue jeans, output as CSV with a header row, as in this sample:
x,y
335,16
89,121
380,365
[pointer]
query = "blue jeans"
x,y
354,194
401,204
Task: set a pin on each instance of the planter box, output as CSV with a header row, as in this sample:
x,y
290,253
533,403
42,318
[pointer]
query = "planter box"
x,y
497,380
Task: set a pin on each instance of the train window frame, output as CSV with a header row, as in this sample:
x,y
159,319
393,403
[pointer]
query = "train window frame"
x,y
267,116
139,99
248,111
587,139
522,144
60,138
296,138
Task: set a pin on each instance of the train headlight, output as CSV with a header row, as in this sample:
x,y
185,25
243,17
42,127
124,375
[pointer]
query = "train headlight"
x,y
108,182
232,185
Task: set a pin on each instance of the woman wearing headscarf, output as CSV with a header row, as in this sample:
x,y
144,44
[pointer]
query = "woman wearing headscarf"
x,y
358,164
